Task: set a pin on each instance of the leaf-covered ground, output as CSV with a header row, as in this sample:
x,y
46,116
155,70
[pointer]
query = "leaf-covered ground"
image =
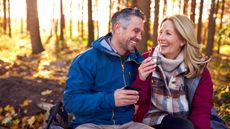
x,y
30,83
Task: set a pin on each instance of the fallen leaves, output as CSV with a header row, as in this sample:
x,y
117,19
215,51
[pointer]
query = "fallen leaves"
x,y
31,120
8,118
26,102
7,114
46,92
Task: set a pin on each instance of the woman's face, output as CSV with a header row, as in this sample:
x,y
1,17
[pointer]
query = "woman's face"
x,y
169,39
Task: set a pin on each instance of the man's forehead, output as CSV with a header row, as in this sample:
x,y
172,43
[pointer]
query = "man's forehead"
x,y
136,26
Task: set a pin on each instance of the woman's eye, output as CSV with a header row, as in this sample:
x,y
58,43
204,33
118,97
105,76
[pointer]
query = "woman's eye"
x,y
168,33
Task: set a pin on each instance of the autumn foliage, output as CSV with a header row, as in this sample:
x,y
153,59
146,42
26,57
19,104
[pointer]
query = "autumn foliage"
x,y
30,83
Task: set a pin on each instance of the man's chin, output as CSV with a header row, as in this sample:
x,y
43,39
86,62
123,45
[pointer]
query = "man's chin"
x,y
132,48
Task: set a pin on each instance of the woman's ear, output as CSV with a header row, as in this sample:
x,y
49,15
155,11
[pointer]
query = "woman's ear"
x,y
182,44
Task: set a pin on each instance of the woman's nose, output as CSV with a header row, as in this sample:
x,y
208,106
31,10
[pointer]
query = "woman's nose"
x,y
160,36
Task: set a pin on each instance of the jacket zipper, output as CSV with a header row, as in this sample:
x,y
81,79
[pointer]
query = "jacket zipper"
x,y
123,73
123,76
113,117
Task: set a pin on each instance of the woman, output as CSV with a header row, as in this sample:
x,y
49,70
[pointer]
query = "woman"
x,y
164,102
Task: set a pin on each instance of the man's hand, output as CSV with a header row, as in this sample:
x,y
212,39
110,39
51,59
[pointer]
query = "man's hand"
x,y
125,97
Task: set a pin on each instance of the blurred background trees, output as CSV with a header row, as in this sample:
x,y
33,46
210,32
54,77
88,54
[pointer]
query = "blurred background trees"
x,y
39,39
87,20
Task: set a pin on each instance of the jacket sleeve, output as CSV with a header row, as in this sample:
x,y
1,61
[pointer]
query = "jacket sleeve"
x,y
78,95
143,86
202,102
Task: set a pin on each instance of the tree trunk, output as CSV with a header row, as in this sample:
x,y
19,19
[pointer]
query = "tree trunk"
x,y
9,19
134,3
57,47
192,13
90,24
185,10
4,17
62,22
221,24
79,23
156,19
180,6
97,22
33,25
118,5
199,28
27,19
145,7
165,8
211,30
82,20
110,14
205,34
71,20
21,25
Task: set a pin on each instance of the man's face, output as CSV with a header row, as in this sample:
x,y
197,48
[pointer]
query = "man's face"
x,y
130,35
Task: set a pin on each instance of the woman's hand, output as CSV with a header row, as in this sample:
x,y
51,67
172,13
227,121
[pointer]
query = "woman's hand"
x,y
146,67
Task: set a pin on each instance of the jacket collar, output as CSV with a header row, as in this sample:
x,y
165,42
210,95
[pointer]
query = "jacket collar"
x,y
102,44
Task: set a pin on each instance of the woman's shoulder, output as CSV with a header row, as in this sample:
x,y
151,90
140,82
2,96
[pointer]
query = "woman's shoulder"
x,y
206,73
148,53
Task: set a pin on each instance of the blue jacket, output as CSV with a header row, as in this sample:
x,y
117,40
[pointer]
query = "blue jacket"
x,y
92,79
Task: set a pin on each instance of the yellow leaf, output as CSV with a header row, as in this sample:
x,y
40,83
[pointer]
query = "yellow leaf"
x,y
26,102
62,81
1,110
46,92
9,108
24,119
1,118
7,120
31,120
16,122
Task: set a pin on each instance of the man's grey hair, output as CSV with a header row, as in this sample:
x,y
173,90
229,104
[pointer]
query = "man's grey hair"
x,y
124,16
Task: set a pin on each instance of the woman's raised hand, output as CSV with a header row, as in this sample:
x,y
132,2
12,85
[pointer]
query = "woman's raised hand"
x,y
146,67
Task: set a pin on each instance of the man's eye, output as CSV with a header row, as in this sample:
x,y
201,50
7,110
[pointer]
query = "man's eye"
x,y
136,30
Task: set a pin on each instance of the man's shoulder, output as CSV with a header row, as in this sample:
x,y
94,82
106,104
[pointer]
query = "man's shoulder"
x,y
87,55
89,52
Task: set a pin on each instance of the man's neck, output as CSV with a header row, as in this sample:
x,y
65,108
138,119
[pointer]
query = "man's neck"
x,y
116,46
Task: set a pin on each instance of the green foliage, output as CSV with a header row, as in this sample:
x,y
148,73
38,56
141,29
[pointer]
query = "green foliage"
x,y
220,72
224,33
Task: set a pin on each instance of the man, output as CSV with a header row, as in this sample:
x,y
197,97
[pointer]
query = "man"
x,y
95,84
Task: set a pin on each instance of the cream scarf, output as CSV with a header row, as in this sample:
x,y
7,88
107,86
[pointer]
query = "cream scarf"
x,y
168,65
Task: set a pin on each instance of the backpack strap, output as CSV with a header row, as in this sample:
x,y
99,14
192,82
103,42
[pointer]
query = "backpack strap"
x,y
57,117
53,112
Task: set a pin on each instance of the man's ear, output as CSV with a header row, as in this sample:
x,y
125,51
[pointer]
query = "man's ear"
x,y
117,26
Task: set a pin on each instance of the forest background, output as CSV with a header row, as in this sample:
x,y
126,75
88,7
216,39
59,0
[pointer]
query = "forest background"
x,y
39,39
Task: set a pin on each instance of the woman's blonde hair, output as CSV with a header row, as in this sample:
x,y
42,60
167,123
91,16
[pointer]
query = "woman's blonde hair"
x,y
194,60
